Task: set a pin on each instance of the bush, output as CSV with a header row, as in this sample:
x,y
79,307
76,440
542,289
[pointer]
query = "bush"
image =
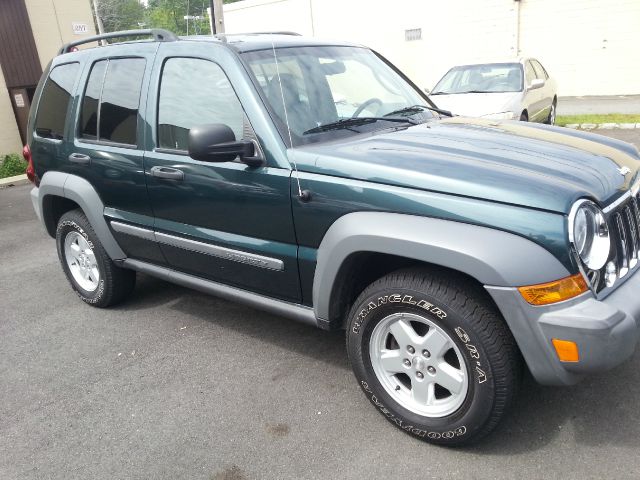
x,y
12,164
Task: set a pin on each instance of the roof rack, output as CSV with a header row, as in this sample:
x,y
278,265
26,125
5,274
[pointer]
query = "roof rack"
x,y
258,33
159,35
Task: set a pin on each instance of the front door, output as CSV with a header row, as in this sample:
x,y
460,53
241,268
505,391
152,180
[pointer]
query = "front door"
x,y
226,222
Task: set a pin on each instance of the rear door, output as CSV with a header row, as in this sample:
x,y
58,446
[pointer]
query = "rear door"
x,y
533,97
109,137
546,92
226,222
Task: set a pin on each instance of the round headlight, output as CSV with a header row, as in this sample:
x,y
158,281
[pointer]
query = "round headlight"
x,y
589,233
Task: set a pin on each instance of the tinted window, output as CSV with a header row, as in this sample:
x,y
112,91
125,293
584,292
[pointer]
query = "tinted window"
x,y
194,92
89,112
54,102
111,100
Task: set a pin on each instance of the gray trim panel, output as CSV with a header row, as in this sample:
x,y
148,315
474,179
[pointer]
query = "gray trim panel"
x,y
139,232
493,257
294,311
200,247
81,192
221,252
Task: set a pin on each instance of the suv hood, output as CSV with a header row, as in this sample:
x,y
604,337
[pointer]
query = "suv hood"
x,y
531,165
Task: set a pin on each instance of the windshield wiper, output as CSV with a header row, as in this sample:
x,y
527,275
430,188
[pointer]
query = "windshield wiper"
x,y
354,122
474,91
417,109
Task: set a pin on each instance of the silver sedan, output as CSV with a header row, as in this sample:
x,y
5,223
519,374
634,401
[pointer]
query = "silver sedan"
x,y
520,89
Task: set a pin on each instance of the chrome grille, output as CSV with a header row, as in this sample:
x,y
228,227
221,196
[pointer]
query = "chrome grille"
x,y
624,223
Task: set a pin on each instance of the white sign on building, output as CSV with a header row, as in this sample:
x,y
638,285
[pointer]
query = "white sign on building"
x,y
79,28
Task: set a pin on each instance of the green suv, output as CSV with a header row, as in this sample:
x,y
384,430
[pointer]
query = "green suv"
x,y
314,180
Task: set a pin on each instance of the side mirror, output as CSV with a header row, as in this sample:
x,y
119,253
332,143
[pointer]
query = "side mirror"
x,y
536,83
216,142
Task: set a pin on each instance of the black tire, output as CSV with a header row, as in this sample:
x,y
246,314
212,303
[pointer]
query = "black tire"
x,y
455,304
524,116
114,283
551,119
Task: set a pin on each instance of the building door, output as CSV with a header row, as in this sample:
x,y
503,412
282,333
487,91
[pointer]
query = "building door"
x,y
21,105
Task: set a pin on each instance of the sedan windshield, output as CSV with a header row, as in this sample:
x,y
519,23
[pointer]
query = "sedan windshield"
x,y
312,87
485,78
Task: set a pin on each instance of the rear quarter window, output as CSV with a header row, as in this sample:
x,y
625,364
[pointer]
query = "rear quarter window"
x,y
51,118
109,111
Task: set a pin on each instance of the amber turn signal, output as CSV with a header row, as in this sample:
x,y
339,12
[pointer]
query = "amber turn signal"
x,y
552,292
567,350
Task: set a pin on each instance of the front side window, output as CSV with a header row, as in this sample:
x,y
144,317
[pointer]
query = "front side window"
x,y
111,100
194,92
481,78
54,101
530,73
309,87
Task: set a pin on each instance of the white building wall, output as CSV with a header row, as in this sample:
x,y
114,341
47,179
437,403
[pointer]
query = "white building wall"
x,y
52,24
588,45
591,46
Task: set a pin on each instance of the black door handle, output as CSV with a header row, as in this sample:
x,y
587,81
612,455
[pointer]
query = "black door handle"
x,y
80,158
166,172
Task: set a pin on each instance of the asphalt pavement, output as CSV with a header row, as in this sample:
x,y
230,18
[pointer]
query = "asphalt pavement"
x,y
175,384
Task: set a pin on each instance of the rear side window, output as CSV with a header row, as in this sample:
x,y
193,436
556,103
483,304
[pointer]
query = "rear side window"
x,y
54,101
111,100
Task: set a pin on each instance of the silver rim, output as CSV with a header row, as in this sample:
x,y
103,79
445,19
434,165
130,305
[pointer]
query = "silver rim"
x,y
418,364
81,261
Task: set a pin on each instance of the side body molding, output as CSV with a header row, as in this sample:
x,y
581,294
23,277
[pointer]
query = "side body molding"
x,y
80,191
493,257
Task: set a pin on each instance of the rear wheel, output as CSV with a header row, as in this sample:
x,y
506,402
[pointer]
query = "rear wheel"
x,y
92,274
551,119
433,355
524,116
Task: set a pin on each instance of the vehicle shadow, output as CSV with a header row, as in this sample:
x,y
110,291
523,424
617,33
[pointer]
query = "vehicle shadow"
x,y
600,410
327,347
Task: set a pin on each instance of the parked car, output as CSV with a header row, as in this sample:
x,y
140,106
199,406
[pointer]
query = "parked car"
x,y
520,90
449,249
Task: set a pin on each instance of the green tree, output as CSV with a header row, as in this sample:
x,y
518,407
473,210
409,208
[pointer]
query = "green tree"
x,y
170,14
120,14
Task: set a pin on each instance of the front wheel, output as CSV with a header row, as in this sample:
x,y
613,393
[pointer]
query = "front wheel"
x,y
433,355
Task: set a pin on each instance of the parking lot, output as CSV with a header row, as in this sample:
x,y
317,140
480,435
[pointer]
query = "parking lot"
x,y
176,384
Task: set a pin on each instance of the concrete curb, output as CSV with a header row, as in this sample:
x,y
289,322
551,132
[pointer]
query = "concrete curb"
x,y
14,181
603,126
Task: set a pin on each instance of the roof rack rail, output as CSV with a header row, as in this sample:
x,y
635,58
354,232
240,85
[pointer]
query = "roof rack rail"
x,y
259,33
159,35
295,34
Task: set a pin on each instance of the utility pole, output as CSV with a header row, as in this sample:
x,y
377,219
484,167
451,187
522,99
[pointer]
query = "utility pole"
x,y
216,17
98,19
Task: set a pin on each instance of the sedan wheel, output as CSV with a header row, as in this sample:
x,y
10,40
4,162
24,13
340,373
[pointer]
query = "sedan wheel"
x,y
551,120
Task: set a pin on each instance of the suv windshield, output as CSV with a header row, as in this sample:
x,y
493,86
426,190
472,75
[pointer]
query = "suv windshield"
x,y
485,78
324,85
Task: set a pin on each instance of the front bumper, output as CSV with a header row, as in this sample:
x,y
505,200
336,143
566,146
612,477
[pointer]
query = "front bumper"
x,y
606,331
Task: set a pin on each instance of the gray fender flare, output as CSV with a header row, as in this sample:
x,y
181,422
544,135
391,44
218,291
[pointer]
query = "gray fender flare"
x,y
493,257
81,192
